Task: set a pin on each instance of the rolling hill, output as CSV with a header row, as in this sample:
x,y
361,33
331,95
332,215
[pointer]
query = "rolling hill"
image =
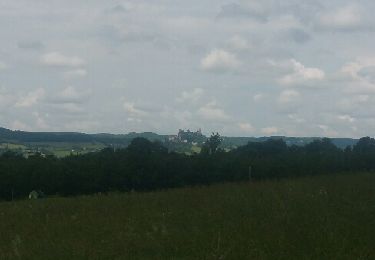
x,y
64,143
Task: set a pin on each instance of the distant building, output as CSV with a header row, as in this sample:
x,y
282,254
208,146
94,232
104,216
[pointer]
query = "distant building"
x,y
190,136
173,138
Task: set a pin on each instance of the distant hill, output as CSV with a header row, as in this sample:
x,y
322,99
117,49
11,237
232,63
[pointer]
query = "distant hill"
x,y
22,136
7,135
64,143
300,141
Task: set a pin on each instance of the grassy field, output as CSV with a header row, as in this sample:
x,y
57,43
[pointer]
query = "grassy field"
x,y
326,217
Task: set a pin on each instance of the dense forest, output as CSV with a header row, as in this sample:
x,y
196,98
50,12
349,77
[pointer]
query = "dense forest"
x,y
145,165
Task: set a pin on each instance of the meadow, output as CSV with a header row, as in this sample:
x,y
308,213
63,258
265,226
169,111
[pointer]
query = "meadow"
x,y
321,217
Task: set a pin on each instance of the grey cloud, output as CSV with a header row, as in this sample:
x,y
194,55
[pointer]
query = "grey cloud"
x,y
196,49
69,95
235,10
139,37
122,35
149,107
266,10
368,73
65,111
30,45
118,9
303,10
298,35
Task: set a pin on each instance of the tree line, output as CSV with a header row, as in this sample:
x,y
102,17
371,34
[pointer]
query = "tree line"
x,y
146,165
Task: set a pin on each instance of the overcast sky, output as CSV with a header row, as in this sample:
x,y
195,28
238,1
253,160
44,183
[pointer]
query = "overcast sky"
x,y
242,68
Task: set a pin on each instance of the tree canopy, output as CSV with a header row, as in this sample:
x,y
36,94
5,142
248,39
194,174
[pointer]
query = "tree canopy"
x,y
146,165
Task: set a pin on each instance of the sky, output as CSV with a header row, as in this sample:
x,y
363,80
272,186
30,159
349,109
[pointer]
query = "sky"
x,y
240,68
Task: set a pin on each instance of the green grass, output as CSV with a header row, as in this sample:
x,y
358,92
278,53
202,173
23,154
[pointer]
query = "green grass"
x,y
326,217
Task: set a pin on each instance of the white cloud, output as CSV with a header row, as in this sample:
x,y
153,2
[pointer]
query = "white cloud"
x,y
357,69
301,74
288,96
219,60
359,75
296,118
31,98
69,93
270,130
40,122
212,112
59,60
133,110
237,43
70,108
346,118
190,96
344,18
351,69
328,131
134,120
6,99
82,125
353,103
257,97
75,73
183,118
361,98
246,127
18,125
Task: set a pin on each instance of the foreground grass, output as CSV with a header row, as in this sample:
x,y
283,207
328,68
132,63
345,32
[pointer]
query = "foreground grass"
x,y
327,217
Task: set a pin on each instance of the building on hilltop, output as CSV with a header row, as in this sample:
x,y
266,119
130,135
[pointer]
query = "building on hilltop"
x,y
190,137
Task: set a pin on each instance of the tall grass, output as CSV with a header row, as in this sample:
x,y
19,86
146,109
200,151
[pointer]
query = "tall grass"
x,y
325,217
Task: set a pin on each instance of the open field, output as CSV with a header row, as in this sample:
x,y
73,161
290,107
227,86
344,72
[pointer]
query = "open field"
x,y
325,217
59,149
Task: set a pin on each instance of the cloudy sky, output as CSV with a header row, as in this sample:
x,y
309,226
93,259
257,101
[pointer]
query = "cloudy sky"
x,y
242,68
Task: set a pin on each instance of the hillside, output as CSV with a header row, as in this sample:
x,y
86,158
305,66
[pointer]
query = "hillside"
x,y
325,217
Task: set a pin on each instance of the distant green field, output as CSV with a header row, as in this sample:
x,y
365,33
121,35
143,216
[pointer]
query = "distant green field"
x,y
59,149
12,146
326,217
62,149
